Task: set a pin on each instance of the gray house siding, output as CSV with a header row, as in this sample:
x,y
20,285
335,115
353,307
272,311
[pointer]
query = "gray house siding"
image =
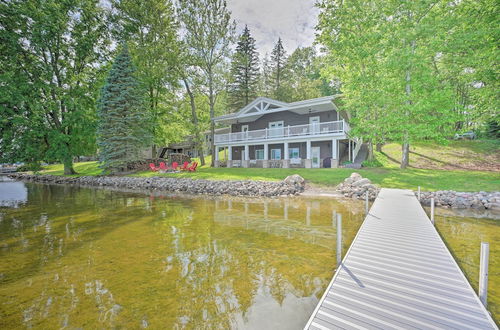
x,y
289,118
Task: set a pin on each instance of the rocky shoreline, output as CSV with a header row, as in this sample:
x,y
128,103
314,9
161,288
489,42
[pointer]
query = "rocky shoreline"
x,y
292,185
356,186
462,200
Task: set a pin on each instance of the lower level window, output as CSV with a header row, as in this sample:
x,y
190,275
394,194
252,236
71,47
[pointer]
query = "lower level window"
x,y
275,154
293,153
259,154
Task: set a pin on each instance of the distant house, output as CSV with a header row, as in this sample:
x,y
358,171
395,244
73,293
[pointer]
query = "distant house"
x,y
270,133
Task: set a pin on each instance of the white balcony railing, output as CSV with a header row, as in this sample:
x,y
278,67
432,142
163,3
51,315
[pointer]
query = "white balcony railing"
x,y
330,127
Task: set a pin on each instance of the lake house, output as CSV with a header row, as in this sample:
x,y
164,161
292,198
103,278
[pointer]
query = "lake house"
x,y
269,133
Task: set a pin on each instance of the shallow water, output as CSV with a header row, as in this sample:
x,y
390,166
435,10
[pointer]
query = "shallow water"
x,y
81,257
463,236
96,258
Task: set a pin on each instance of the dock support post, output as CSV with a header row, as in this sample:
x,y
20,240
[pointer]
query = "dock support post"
x,y
418,193
366,203
334,218
483,273
432,210
339,239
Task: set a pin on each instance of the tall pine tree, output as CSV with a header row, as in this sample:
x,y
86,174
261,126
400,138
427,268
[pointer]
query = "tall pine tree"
x,y
124,123
278,62
244,71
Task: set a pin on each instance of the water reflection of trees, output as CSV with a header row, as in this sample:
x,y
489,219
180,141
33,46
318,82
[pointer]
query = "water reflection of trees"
x,y
242,250
102,257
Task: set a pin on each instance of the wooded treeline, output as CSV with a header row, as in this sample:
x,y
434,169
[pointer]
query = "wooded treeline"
x,y
408,70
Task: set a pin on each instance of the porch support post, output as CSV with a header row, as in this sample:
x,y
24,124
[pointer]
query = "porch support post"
x,y
229,156
335,161
265,162
246,158
350,155
216,163
286,156
308,160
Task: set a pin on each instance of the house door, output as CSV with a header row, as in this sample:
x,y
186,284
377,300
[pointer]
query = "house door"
x,y
276,128
315,153
314,122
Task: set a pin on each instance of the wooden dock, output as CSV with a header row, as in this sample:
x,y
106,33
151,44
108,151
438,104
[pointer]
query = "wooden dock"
x,y
399,274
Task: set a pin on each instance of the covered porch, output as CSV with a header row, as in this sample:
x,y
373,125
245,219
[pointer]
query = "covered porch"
x,y
310,153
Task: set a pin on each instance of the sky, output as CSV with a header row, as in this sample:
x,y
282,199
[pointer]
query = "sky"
x,y
292,20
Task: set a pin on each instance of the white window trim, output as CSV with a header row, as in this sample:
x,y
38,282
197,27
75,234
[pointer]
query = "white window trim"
x,y
256,153
243,128
315,117
290,151
272,152
282,122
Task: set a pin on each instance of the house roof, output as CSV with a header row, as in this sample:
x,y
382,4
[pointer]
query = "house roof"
x,y
263,105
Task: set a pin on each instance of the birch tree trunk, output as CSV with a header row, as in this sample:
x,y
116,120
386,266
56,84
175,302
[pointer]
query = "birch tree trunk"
x,y
405,158
198,142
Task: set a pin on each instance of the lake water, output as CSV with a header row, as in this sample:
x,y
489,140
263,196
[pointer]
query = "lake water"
x,y
95,258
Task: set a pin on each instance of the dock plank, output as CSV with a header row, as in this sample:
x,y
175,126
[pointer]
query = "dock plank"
x,y
398,273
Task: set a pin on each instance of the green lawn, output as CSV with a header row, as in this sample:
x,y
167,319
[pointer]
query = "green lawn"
x,y
386,177
482,155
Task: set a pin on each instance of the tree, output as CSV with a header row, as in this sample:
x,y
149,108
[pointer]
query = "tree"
x,y
52,62
383,53
244,71
124,125
208,34
278,62
303,80
150,30
266,82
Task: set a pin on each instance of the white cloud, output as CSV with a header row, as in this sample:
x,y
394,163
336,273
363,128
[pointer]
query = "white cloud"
x,y
292,20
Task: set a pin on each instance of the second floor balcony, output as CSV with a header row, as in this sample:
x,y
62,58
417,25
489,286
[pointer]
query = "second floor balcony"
x,y
276,133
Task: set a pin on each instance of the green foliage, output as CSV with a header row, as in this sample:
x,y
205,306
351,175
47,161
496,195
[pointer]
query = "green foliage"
x,y
372,163
150,30
278,70
124,123
209,32
405,67
244,71
35,167
51,60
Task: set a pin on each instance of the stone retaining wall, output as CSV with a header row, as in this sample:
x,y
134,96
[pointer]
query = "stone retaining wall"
x,y
356,186
462,200
186,185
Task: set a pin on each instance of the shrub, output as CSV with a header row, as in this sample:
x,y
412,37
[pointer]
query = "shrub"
x,y
35,167
372,163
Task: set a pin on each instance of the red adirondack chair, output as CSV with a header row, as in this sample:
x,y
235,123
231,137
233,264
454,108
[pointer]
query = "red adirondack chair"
x,y
153,167
193,166
185,166
163,166
175,165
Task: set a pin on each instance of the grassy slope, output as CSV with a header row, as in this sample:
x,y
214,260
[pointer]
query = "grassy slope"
x,y
455,155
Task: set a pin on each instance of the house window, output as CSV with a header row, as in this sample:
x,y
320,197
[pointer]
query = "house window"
x,y
244,128
293,153
275,154
259,154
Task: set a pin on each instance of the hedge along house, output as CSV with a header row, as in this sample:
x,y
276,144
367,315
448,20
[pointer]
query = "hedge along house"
x,y
269,133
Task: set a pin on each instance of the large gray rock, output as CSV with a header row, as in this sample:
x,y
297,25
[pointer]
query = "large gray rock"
x,y
361,182
355,176
295,179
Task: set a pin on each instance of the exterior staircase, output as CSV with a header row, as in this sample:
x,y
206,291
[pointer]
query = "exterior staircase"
x,y
360,157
